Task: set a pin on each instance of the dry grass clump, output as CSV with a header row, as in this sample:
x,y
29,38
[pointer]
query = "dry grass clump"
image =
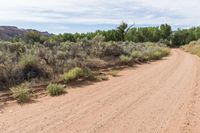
x,y
21,93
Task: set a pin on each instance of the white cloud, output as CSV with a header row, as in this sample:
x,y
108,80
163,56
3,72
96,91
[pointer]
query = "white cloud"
x,y
177,12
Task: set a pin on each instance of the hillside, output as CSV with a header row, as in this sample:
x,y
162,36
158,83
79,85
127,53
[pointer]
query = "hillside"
x,y
9,32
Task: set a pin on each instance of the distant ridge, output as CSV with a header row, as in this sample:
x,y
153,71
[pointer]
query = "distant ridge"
x,y
9,32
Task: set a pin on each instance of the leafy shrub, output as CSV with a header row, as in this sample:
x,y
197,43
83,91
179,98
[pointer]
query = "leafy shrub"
x,y
55,89
21,93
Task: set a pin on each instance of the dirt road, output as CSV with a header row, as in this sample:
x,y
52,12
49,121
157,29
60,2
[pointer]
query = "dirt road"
x,y
162,96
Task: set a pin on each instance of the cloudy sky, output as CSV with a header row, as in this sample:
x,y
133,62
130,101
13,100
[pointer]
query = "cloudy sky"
x,y
58,16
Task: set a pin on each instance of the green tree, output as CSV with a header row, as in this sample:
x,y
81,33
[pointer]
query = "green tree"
x,y
166,31
121,30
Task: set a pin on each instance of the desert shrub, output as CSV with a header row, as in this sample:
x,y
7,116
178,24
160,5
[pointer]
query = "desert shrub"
x,y
77,73
165,51
156,55
72,75
31,68
193,48
88,74
100,78
113,73
113,49
136,55
28,60
21,93
95,63
20,62
4,78
55,89
125,60
149,51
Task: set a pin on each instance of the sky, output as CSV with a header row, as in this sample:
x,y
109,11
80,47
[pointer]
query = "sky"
x,y
59,16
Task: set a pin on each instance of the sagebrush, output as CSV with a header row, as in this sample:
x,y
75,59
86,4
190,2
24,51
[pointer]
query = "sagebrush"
x,y
21,62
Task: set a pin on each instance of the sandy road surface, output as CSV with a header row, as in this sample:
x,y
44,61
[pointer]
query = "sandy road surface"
x,y
162,96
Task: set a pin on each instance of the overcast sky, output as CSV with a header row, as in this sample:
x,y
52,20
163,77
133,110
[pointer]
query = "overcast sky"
x,y
88,15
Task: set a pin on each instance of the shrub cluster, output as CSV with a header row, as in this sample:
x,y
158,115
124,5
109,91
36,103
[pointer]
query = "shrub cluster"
x,y
21,62
144,52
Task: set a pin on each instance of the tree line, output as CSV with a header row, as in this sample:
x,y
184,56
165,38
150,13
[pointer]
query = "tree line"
x,y
124,32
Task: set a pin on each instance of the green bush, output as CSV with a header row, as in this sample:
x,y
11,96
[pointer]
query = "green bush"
x,y
72,75
21,93
77,73
55,89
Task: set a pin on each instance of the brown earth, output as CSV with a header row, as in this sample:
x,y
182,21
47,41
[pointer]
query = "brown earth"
x,y
162,96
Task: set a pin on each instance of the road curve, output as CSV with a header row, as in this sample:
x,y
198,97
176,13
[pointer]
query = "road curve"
x,y
159,97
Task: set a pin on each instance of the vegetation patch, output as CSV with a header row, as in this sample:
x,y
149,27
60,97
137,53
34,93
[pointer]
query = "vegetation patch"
x,y
21,93
100,78
113,73
55,89
72,74
78,56
193,48
125,60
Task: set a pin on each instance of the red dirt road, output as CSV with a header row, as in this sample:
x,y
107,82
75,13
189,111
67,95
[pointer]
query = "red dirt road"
x,y
160,97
